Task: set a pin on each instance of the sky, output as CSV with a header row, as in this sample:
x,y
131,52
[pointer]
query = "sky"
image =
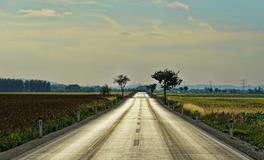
x,y
92,41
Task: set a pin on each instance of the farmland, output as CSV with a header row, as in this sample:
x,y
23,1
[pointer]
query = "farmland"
x,y
19,113
216,110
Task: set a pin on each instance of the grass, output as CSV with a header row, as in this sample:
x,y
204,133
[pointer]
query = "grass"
x,y
247,111
20,111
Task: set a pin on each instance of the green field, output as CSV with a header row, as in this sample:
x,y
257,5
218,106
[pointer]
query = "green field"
x,y
247,111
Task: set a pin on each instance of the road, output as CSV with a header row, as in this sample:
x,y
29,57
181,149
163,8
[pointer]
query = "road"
x,y
139,129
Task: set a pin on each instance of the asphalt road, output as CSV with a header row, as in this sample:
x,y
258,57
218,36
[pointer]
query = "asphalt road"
x,y
139,129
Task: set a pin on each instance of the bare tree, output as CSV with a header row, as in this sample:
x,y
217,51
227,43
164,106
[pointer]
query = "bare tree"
x,y
121,80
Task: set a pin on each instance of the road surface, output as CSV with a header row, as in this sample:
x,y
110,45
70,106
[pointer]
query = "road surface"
x,y
139,129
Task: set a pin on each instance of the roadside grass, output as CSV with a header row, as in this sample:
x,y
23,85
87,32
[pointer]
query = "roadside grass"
x,y
19,113
246,110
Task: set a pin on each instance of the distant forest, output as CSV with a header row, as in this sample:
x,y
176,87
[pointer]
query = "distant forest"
x,y
18,85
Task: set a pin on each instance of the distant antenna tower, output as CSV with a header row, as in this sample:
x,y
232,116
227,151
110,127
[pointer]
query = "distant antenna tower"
x,y
244,83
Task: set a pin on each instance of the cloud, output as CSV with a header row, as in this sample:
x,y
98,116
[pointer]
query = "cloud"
x,y
38,13
110,20
155,24
206,25
200,24
185,7
80,2
67,13
42,13
172,5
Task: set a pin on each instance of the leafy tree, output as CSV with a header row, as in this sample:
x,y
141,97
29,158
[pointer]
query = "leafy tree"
x,y
11,85
121,80
209,89
185,88
181,89
152,87
167,79
73,88
37,86
18,85
105,90
217,90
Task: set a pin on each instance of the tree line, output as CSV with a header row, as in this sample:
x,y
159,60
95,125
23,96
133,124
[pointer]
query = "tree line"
x,y
19,85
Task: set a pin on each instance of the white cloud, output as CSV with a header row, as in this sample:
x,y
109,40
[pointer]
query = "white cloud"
x,y
80,2
155,24
110,20
67,13
206,25
42,13
38,13
185,7
172,5
200,24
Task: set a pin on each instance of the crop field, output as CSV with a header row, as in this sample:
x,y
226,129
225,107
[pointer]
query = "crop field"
x,y
246,110
19,113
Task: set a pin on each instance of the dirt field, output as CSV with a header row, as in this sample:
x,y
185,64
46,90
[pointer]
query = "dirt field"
x,y
19,113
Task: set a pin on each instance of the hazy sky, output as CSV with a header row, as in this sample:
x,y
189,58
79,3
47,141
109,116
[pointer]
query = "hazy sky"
x,y
91,41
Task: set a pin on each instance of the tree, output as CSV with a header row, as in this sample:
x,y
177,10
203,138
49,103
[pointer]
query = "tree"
x,y
181,89
18,85
121,80
105,90
185,88
152,87
167,79
73,88
11,85
217,90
